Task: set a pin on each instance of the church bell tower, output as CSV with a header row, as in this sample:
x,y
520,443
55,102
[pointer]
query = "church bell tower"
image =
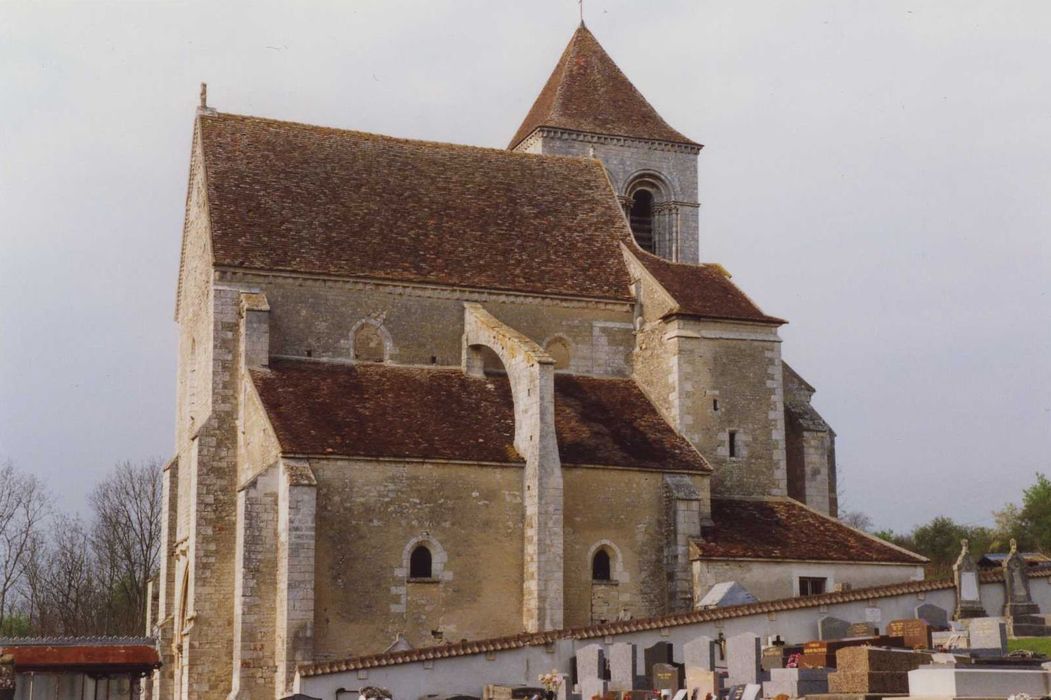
x,y
589,108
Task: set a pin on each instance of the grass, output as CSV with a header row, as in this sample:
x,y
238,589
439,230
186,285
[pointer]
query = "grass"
x,y
1041,645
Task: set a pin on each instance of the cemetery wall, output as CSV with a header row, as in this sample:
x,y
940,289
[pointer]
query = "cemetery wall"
x,y
415,675
371,514
425,325
772,580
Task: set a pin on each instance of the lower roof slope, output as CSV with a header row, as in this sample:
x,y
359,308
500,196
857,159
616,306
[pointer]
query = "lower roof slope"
x,y
704,290
387,411
292,197
781,528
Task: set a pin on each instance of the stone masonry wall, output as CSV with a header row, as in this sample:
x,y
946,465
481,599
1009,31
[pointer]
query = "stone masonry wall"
x,y
628,160
426,325
368,515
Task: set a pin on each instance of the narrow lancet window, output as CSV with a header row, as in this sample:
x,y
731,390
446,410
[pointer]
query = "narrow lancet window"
x,y
420,563
600,569
641,219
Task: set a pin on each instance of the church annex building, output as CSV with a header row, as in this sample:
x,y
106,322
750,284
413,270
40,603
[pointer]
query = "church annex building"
x,y
430,393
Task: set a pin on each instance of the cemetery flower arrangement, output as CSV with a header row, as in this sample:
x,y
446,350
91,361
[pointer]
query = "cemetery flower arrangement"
x,y
793,661
551,680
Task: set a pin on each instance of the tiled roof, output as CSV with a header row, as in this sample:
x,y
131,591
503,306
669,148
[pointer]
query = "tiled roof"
x,y
307,199
81,653
387,411
704,291
484,646
781,528
587,92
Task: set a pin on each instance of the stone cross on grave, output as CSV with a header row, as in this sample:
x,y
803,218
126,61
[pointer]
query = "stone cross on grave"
x,y
965,576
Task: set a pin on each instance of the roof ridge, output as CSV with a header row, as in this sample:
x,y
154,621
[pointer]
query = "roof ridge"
x,y
397,139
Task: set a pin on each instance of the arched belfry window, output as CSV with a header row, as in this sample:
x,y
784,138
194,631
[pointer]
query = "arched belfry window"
x,y
420,563
641,219
600,566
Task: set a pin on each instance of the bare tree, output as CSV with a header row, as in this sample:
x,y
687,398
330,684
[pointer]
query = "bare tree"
x,y
70,597
126,538
23,507
856,519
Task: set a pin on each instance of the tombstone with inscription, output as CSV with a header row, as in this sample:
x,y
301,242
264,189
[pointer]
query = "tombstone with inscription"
x,y
862,629
667,677
743,659
829,627
623,667
916,634
987,636
659,653
591,671
965,576
936,617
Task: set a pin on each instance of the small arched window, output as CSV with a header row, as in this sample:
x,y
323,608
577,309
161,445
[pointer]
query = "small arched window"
x,y
641,219
420,563
600,566
559,351
369,345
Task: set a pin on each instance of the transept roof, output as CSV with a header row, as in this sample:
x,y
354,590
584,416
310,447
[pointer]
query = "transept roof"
x,y
587,92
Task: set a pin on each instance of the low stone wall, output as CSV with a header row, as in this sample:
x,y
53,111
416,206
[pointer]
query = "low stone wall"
x,y
467,668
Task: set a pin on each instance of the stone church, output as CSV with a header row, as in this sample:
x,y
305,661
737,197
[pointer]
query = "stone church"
x,y
433,392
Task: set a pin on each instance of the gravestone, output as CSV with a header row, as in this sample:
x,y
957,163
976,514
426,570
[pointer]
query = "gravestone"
x,y
743,659
699,653
796,682
868,670
987,636
1016,585
591,669
936,617
968,593
829,627
752,691
916,634
862,629
623,667
700,658
659,653
667,677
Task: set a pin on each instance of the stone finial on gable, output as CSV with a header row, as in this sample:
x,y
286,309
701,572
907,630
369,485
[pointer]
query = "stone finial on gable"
x,y
203,107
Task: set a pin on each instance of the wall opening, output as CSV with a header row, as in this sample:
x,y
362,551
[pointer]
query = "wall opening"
x,y
641,219
732,443
420,565
558,349
812,585
369,344
600,566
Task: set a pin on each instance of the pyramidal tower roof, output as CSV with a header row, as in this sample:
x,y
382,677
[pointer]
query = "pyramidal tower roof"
x,y
587,92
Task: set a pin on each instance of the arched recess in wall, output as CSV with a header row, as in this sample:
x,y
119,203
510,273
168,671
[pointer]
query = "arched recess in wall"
x,y
645,195
560,350
370,341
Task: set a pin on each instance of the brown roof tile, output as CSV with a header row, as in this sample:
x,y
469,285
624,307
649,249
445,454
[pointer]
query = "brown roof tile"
x,y
587,92
484,646
293,197
387,411
786,529
704,291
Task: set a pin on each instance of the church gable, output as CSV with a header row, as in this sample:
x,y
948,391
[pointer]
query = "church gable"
x,y
305,199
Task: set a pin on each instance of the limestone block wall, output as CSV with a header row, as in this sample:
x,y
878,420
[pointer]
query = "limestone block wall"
x,y
315,318
530,372
368,515
296,550
773,580
729,380
255,591
629,161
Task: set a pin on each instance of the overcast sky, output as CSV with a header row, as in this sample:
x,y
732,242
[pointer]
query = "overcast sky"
x,y
878,173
